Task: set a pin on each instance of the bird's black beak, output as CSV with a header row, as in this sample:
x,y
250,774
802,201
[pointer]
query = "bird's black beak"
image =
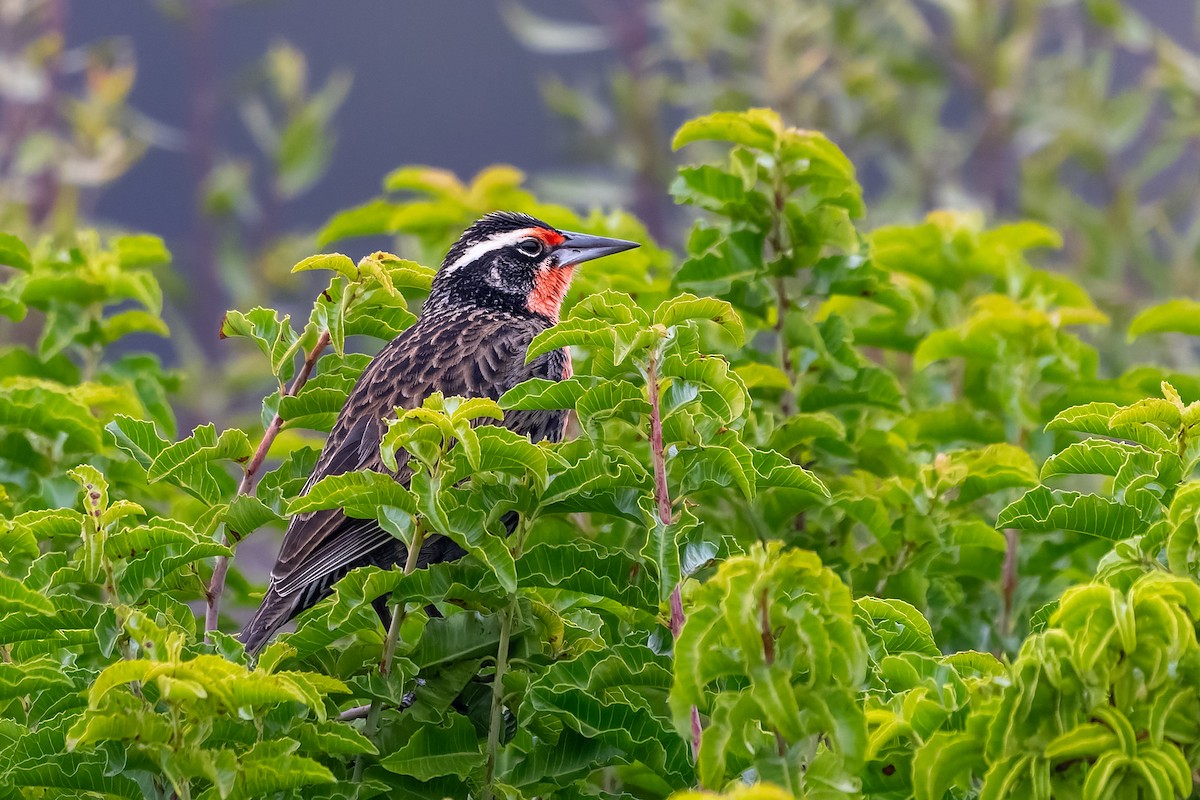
x,y
579,247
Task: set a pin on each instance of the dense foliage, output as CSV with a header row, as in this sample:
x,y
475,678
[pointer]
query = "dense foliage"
x,y
842,514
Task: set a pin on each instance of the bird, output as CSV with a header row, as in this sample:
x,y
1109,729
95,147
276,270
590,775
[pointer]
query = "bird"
x,y
500,284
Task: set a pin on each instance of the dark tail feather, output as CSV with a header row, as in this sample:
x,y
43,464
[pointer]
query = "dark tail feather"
x,y
272,615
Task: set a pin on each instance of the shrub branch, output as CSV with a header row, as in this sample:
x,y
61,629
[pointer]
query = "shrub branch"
x,y
250,480
662,496
375,710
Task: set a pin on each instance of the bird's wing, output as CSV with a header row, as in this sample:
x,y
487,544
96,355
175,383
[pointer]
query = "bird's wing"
x,y
470,353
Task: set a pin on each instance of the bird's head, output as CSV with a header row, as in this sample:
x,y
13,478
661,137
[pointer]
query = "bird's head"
x,y
517,263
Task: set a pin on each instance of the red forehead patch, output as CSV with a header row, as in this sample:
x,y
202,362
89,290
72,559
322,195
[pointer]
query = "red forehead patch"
x,y
549,237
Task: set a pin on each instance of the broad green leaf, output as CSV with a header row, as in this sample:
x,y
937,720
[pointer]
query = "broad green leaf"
x,y
804,428
140,251
540,394
335,262
132,321
273,335
14,253
899,625
16,599
360,494
139,438
1174,316
758,128
775,470
1086,740
452,749
49,411
1096,418
246,514
466,526
570,333
663,544
689,307
272,766
1042,509
944,758
1154,410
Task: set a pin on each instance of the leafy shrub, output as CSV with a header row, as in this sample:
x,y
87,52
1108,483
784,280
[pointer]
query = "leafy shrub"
x,y
799,545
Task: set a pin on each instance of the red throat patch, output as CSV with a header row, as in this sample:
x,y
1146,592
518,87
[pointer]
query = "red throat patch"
x,y
549,289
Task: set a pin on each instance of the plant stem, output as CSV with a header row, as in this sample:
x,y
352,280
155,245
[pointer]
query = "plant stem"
x,y
250,479
782,303
1009,579
787,404
497,719
502,663
389,644
662,496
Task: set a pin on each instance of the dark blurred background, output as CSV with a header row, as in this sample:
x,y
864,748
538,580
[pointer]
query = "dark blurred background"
x,y
441,83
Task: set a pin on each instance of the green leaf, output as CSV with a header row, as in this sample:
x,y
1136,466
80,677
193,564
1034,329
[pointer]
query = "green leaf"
x,y
663,545
272,766
586,569
465,526
569,333
49,411
944,758
989,470
1095,418
360,494
777,471
689,307
540,394
1086,740
335,262
137,437
189,463
1042,509
273,335
16,599
1174,316
246,514
314,408
758,128
14,253
452,749
803,428
125,323
333,738
370,219
140,251
899,626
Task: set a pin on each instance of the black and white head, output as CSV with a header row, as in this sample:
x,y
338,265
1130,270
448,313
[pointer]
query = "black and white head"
x,y
516,263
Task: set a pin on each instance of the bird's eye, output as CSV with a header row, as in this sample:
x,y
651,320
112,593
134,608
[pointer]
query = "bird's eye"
x,y
530,247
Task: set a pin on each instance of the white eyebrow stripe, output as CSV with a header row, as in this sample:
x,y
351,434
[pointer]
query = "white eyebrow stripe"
x,y
488,245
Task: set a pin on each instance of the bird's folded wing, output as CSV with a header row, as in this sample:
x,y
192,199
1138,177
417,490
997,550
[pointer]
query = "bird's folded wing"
x,y
471,357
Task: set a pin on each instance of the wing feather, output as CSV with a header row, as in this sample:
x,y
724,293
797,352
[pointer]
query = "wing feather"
x,y
472,353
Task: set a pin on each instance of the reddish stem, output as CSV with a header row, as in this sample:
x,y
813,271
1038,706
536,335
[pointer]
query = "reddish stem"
x,y
250,480
1009,579
767,639
662,496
